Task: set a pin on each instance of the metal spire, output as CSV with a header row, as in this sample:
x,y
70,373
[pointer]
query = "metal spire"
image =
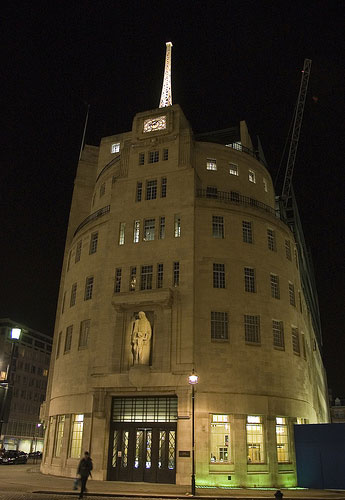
x,y
166,96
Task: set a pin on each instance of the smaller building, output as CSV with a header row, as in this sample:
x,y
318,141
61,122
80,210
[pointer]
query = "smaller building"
x,y
24,364
338,411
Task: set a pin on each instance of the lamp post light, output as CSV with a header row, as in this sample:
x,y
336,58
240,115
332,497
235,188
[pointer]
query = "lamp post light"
x,y
193,380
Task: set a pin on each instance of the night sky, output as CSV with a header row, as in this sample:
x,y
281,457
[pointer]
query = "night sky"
x,y
231,61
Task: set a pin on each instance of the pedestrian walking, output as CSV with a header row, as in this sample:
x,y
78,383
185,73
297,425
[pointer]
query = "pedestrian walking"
x,y
84,471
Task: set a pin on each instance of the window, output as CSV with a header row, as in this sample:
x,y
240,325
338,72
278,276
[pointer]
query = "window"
x,y
149,229
133,279
220,449
271,240
292,294
69,260
211,164
217,226
151,190
296,257
176,274
275,289
141,159
288,249
249,279
218,275
247,231
73,294
211,192
251,176
219,325
300,301
58,347
282,440
295,340
278,333
139,192
303,346
177,226
233,169
68,339
122,233
118,274
146,278
102,190
136,231
265,184
60,424
88,288
163,187
76,435
84,333
153,156
252,329
115,148
78,251
63,303
301,421
255,440
93,243
161,228
165,154
159,275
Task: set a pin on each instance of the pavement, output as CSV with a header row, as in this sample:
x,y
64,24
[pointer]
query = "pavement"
x,y
26,482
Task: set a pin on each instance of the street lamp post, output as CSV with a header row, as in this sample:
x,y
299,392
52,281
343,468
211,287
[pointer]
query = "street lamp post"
x,y
193,380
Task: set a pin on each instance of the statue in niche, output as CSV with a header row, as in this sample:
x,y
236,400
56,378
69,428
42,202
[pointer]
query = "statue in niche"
x,y
141,340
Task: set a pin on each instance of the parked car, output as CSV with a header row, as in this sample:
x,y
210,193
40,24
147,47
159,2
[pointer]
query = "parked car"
x,y
14,457
35,454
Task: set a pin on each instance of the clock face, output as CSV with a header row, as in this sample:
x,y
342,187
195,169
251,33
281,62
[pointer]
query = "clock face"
x,y
152,124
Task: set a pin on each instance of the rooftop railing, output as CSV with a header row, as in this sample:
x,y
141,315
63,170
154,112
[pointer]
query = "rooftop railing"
x,y
96,215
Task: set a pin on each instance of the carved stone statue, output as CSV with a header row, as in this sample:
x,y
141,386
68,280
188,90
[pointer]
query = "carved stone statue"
x,y
141,340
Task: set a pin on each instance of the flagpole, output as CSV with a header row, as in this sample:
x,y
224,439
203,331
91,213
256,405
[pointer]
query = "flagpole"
x,y
83,139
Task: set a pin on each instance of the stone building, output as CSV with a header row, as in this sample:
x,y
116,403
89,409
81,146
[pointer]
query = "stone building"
x,y
178,260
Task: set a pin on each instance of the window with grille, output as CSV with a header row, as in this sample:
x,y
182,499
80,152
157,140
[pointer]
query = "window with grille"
x,y
220,442
295,340
76,435
265,185
292,294
78,252
122,231
251,176
84,333
60,424
163,187
73,295
118,275
218,226
233,169
159,275
145,409
252,329
275,289
177,226
139,191
176,274
153,156
271,240
255,440
141,159
282,435
136,231
88,288
218,275
219,325
115,148
278,333
102,190
211,164
151,190
211,192
161,228
133,279
165,154
149,229
288,249
249,279
68,338
93,243
247,231
146,277
296,257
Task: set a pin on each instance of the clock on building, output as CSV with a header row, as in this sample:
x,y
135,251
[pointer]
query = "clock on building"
x,y
152,124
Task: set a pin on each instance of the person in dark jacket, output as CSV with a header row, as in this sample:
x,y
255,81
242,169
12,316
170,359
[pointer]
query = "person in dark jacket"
x,y
84,471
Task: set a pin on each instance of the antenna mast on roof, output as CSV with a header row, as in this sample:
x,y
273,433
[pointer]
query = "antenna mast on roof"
x,y
166,96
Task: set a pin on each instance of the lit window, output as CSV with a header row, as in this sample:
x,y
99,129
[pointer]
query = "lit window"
x,y
211,192
233,169
177,226
118,275
275,289
141,158
220,449
211,164
249,279
68,338
78,251
282,440
84,333
102,190
247,232
271,240
159,275
278,333
302,421
251,176
255,440
136,231
295,340
146,277
217,226
76,436
176,274
115,148
265,185
88,288
165,154
122,233
218,275
288,249
161,228
139,191
151,190
219,325
153,156
45,373
93,243
149,229
133,279
73,294
292,294
252,329
59,435
163,187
